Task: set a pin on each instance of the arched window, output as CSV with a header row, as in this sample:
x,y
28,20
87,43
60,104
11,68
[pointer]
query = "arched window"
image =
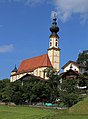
x,y
36,72
40,73
50,43
56,44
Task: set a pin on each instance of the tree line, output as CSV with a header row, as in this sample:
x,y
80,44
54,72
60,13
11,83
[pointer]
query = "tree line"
x,y
32,90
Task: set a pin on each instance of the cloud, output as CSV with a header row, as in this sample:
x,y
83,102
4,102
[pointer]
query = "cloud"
x,y
29,2
34,2
6,48
66,8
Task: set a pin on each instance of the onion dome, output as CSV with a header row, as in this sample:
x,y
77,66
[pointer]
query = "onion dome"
x,y
15,69
54,28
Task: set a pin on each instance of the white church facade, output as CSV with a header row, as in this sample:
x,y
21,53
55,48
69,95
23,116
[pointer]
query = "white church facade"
x,y
36,66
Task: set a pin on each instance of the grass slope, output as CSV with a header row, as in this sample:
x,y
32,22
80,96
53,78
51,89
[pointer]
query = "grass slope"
x,y
80,108
20,112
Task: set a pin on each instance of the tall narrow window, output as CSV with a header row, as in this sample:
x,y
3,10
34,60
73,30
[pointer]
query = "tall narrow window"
x,y
50,43
56,44
44,74
40,73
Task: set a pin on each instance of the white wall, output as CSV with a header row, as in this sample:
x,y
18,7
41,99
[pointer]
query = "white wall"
x,y
37,72
74,67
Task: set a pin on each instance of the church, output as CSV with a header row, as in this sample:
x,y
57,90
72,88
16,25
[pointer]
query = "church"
x,y
36,66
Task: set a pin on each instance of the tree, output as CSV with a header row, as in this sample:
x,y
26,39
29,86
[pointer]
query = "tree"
x,y
17,92
69,85
53,83
51,73
5,90
83,58
6,94
69,92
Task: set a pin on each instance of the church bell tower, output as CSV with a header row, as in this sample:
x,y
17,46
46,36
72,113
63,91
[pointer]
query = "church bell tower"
x,y
54,50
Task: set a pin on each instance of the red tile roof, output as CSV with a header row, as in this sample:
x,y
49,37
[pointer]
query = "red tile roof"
x,y
33,63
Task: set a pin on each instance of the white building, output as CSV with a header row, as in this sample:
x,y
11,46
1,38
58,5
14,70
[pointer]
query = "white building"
x,y
80,68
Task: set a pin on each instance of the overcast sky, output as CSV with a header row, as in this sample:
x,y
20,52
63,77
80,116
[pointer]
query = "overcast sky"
x,y
24,30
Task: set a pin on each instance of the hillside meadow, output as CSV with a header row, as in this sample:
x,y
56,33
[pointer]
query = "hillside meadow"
x,y
80,108
23,112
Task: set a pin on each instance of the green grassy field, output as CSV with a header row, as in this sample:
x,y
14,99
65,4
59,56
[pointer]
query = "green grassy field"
x,y
80,108
20,112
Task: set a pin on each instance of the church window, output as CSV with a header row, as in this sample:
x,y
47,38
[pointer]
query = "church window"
x,y
44,74
50,43
40,73
56,44
36,72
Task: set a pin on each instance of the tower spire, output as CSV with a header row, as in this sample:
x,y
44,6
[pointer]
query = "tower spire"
x,y
54,28
15,69
54,50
